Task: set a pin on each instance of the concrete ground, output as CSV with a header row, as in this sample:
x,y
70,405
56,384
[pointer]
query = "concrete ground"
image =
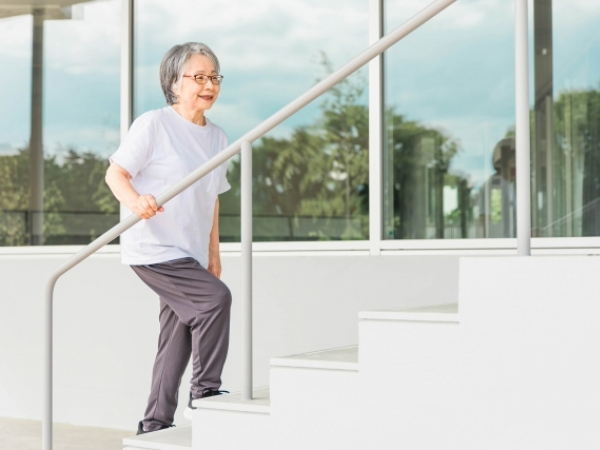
x,y
18,434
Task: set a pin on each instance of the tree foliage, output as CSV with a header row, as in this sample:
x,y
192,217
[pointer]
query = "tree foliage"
x,y
320,171
75,196
577,136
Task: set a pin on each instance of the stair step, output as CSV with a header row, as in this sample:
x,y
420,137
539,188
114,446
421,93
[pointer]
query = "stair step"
x,y
226,422
260,403
436,313
345,358
177,438
314,400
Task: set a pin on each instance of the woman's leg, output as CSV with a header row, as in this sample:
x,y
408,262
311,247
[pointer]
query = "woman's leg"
x,y
174,348
203,303
210,331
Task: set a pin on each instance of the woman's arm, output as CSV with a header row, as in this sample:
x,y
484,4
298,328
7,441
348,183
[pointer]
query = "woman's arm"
x,y
117,179
214,256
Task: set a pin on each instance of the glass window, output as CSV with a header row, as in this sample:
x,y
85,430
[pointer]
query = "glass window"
x,y
566,119
311,172
59,120
449,166
449,123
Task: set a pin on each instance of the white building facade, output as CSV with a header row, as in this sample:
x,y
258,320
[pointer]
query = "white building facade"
x,y
364,200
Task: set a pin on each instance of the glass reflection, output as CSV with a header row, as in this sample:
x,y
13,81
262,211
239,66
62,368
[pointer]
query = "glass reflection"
x,y
566,118
311,172
449,166
59,118
449,96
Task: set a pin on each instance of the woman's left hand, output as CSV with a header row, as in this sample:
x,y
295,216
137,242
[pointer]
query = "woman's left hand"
x,y
214,263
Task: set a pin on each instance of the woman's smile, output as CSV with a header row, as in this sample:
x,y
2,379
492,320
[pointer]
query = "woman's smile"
x,y
195,98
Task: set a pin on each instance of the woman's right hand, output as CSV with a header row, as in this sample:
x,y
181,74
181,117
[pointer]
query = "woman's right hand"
x,y
145,206
118,179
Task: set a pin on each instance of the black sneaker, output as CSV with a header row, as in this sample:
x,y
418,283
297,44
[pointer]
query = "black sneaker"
x,y
205,393
141,430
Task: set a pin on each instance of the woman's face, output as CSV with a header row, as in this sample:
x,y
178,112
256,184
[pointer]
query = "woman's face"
x,y
194,96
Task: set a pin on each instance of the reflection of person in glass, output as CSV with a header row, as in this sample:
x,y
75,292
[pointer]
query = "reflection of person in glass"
x,y
497,195
175,250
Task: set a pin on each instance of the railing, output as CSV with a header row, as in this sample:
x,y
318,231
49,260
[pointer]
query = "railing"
x,y
244,142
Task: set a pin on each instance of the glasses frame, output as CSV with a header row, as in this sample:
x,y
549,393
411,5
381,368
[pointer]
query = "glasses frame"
x,y
218,78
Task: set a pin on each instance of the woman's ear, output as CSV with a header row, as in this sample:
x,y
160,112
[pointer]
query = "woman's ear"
x,y
175,89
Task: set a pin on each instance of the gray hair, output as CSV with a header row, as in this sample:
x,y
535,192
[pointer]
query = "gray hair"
x,y
173,65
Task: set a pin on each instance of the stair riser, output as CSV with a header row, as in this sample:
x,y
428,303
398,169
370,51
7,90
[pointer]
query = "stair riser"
x,y
227,430
388,342
314,409
412,371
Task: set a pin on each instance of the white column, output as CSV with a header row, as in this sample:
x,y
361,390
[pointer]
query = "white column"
x,y
36,146
126,66
522,130
375,129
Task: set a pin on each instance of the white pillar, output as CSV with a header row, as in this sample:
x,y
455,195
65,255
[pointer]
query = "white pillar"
x,y
375,129
36,146
522,130
126,66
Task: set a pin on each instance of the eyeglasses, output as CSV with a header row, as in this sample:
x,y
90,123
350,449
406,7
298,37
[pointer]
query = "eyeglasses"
x,y
203,79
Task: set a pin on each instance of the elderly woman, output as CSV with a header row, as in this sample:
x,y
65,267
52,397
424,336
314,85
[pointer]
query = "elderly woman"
x,y
175,249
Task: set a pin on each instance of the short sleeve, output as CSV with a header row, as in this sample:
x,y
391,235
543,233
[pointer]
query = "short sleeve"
x,y
135,151
224,185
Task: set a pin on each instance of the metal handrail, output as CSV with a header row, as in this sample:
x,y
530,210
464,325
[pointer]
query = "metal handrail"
x,y
317,90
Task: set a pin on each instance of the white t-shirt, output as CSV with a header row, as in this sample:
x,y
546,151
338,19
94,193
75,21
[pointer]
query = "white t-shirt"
x,y
160,149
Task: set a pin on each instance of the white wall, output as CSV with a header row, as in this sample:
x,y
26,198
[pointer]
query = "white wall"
x,y
106,323
530,341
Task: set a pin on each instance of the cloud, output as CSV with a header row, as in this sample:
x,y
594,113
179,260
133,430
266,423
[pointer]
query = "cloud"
x,y
86,46
258,35
267,50
76,46
98,139
15,35
455,73
461,15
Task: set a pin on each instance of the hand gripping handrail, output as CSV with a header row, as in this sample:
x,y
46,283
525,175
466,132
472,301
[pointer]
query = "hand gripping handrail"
x,y
320,88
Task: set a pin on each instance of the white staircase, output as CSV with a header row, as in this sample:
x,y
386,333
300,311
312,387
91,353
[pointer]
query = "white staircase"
x,y
516,369
316,400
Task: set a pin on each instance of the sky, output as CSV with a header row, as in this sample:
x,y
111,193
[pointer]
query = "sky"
x,y
456,73
268,51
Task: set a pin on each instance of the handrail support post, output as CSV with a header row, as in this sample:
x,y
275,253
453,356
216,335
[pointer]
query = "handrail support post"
x,y
246,238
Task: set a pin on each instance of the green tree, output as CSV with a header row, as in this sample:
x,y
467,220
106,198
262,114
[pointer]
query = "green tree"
x,y
420,158
319,173
14,176
78,205
577,137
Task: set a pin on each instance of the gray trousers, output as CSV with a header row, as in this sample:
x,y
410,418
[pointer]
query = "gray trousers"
x,y
194,319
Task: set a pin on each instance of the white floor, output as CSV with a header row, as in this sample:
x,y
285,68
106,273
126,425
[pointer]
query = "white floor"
x,y
19,434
